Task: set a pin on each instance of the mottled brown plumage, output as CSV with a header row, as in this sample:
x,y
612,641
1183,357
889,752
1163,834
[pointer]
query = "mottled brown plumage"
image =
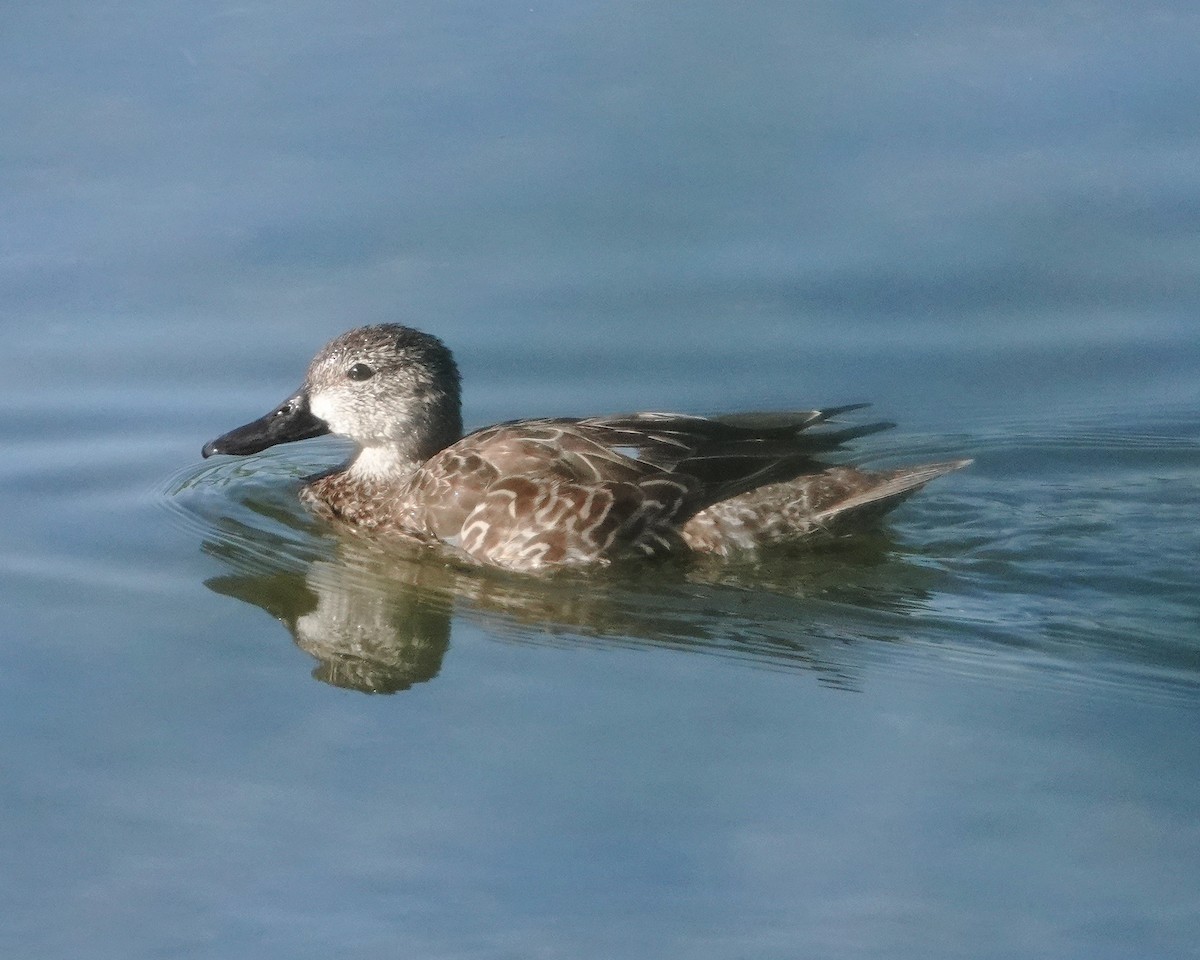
x,y
541,494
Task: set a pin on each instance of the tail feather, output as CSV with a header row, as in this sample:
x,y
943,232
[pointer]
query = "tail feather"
x,y
836,501
893,488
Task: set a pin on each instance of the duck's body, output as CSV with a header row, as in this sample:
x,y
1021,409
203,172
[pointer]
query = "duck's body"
x,y
541,494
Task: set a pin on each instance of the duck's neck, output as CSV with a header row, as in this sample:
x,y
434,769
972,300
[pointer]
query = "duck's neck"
x,y
384,465
428,426
371,488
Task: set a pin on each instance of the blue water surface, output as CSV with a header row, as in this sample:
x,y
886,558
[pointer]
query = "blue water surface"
x,y
231,732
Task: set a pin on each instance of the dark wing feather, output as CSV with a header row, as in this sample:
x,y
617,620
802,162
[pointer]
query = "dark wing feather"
x,y
670,440
787,419
727,455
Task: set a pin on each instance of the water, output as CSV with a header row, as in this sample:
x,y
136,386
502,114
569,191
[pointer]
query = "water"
x,y
232,733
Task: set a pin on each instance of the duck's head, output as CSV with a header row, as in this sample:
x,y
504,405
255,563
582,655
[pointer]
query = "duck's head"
x,y
391,389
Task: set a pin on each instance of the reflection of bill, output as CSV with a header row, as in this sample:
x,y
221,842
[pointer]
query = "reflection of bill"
x,y
378,617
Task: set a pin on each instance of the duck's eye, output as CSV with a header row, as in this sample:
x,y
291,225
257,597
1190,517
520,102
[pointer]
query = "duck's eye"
x,y
360,371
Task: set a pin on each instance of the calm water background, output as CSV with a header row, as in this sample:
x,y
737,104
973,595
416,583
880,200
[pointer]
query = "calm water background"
x,y
229,733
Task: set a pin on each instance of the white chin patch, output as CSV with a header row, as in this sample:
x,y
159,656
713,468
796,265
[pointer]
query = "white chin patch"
x,y
322,408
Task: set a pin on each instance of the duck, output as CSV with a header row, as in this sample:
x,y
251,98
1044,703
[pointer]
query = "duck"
x,y
539,495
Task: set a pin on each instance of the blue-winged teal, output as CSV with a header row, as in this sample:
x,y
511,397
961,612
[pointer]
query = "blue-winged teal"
x,y
539,494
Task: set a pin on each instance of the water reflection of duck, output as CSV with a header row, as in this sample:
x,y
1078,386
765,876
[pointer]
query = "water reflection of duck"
x,y
366,633
378,617
541,494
